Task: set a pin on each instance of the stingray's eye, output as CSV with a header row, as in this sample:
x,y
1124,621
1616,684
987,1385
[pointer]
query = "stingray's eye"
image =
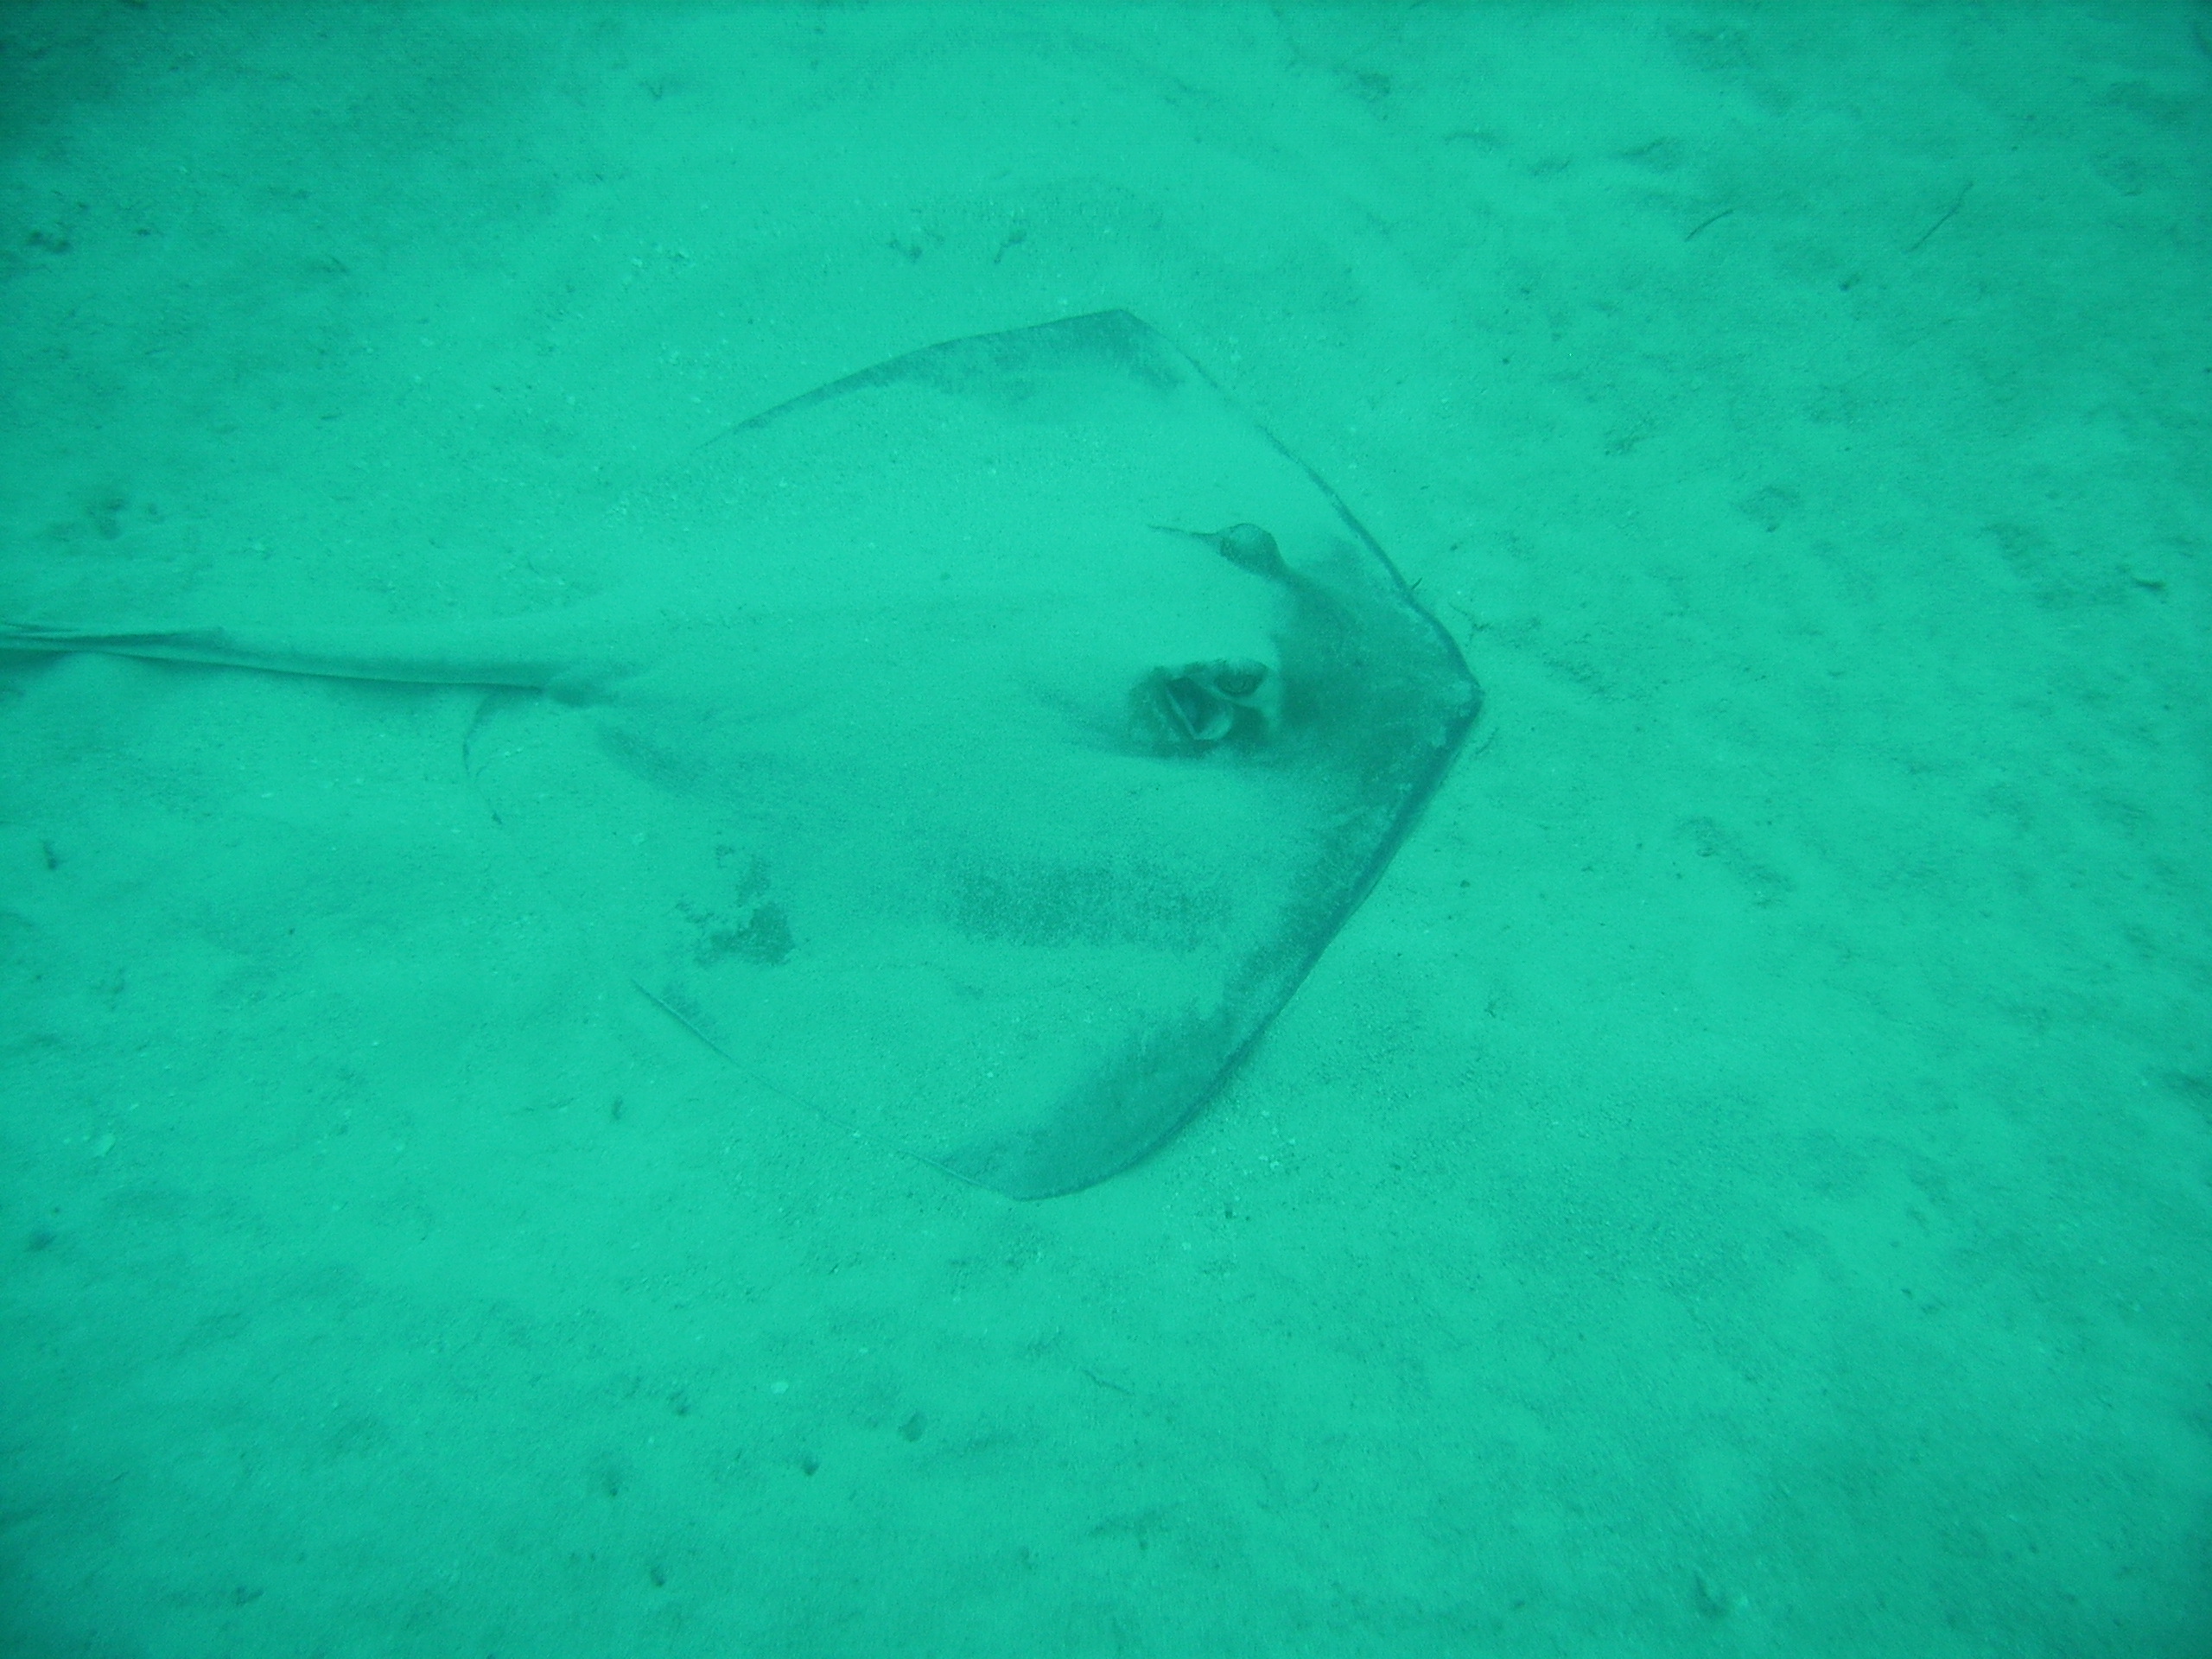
x,y
1249,548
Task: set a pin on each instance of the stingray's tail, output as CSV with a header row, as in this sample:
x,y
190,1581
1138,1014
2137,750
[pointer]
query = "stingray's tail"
x,y
500,654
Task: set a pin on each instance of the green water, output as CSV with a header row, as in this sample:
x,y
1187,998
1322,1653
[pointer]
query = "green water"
x,y
1740,1186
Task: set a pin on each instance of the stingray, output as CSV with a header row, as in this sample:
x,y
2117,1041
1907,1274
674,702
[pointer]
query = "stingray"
x,y
986,745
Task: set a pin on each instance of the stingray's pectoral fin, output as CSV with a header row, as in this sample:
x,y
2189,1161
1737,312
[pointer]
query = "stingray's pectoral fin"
x,y
1115,1114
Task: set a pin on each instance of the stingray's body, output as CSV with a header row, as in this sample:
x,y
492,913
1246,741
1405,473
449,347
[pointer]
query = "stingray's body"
x,y
1003,732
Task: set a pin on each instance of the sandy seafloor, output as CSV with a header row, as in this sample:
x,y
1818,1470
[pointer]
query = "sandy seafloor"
x,y
1738,1187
